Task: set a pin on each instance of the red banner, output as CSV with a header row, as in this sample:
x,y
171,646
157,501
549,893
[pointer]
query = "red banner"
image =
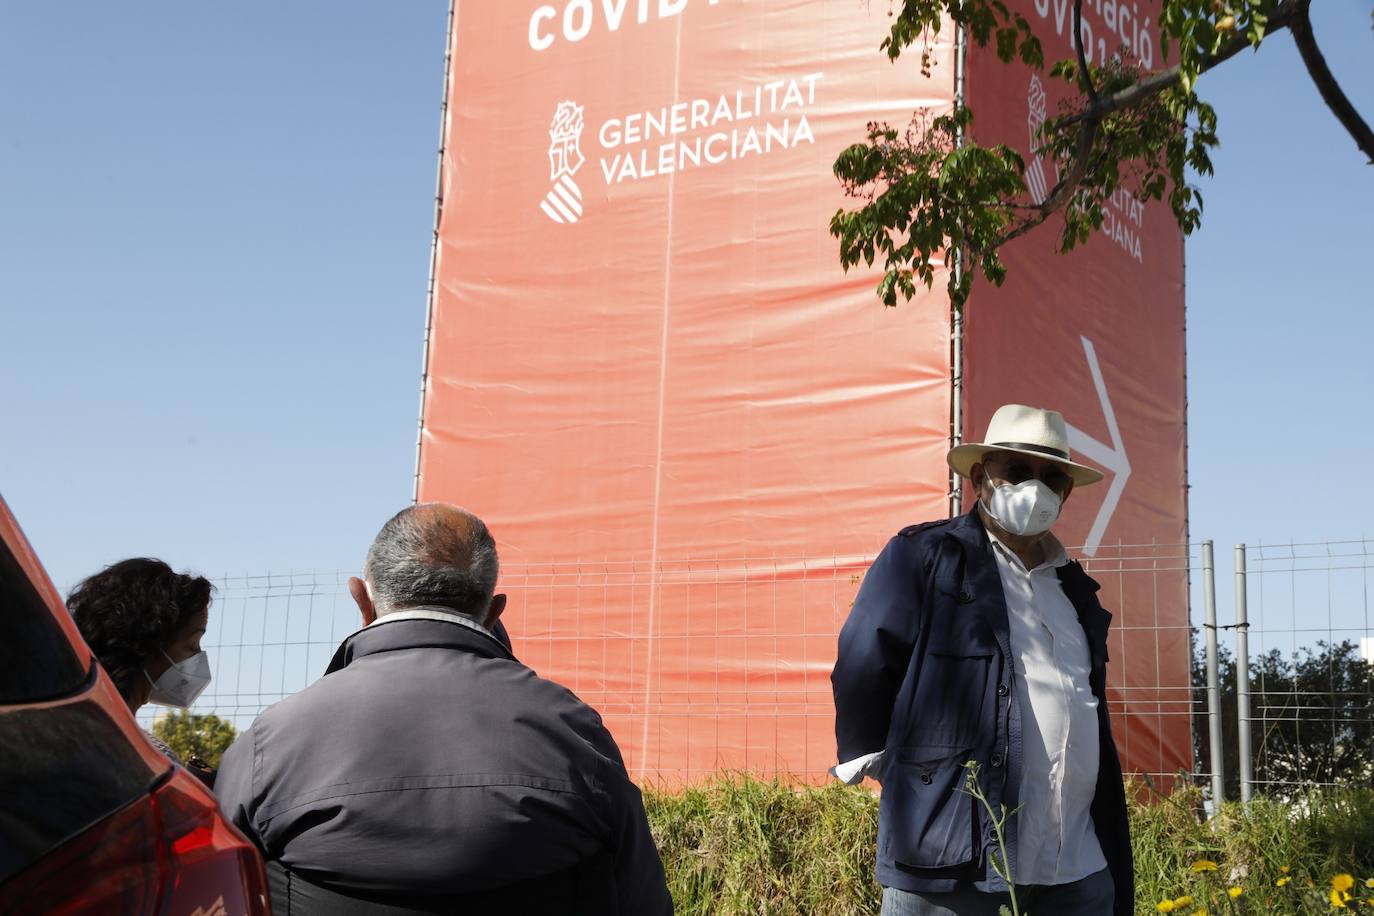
x,y
685,424
1099,335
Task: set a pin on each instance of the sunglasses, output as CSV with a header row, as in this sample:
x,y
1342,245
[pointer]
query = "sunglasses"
x,y
1014,472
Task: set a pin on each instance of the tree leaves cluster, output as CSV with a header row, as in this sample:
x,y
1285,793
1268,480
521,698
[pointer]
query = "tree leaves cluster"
x,y
1312,718
931,194
190,735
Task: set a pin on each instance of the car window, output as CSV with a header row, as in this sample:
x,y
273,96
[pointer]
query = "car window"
x,y
63,769
36,660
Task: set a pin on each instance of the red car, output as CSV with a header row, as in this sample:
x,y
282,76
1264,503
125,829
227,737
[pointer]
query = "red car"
x,y
92,818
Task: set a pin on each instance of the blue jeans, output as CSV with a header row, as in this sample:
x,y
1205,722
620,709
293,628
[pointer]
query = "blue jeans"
x,y
1090,896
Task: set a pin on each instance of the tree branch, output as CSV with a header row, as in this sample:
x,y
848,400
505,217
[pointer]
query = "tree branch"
x,y
1283,17
1330,90
1084,76
1062,191
1087,135
1090,118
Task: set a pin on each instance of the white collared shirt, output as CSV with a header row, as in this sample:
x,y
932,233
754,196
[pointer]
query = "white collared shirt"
x,y
1055,840
430,613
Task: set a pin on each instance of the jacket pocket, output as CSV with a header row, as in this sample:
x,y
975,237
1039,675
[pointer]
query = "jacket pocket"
x,y
951,696
927,815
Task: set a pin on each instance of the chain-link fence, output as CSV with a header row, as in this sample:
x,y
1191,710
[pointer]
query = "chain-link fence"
x,y
268,637
1301,674
708,665
1154,706
699,666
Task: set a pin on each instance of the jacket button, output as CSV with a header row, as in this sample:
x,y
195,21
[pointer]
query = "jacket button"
x,y
965,595
996,760
1002,690
925,779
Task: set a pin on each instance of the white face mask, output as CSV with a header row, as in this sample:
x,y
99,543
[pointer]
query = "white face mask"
x,y
180,684
1026,508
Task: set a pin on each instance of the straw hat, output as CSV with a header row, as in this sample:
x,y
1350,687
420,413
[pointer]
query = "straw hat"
x,y
1029,431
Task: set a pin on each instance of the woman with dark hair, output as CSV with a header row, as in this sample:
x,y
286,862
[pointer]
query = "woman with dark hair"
x,y
144,623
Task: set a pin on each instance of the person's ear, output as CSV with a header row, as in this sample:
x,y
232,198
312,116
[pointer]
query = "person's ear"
x,y
498,604
358,589
976,475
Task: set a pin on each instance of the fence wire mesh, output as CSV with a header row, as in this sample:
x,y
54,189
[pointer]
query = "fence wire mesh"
x,y
269,636
1311,681
751,643
1150,689
732,671
696,666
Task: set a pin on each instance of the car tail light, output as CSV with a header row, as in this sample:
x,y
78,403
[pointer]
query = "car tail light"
x,y
170,852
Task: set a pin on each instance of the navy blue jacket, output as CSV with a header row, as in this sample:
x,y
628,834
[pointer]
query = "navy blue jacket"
x,y
428,762
924,672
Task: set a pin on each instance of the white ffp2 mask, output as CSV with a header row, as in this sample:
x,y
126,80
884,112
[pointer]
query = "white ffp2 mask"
x,y
180,684
1026,508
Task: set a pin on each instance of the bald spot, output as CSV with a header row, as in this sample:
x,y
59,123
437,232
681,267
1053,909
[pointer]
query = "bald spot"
x,y
445,534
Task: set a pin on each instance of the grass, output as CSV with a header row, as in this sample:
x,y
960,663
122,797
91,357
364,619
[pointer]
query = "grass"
x,y
740,845
1283,855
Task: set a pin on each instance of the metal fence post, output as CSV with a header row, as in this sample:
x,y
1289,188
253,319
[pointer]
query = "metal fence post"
x,y
1214,744
1247,777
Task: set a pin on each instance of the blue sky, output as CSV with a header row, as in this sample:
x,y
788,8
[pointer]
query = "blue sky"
x,y
214,239
213,257
1280,320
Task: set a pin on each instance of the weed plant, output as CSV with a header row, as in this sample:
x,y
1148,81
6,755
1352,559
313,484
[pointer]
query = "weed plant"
x,y
738,845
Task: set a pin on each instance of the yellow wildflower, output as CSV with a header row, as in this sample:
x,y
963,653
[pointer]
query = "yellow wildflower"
x,y
1201,912
1282,881
1342,882
1284,869
1181,902
1202,865
1339,898
1369,882
1165,906
1234,892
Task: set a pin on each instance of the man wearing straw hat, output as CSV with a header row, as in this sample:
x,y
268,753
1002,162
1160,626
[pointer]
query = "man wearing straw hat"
x,y
976,646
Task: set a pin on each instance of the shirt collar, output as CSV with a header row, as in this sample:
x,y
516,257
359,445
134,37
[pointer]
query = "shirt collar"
x,y
377,637
1055,554
433,613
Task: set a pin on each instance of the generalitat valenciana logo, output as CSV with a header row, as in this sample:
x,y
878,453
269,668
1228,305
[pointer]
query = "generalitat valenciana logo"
x,y
563,203
1038,180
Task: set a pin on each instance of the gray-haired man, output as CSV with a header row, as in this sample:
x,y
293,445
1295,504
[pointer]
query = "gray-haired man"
x,y
428,770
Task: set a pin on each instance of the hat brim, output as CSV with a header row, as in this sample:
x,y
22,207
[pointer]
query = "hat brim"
x,y
962,458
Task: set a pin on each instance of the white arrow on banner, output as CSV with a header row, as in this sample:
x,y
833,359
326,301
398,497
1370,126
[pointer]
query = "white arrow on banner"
x,y
1112,457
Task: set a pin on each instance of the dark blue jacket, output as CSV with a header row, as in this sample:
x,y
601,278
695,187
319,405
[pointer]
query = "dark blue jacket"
x,y
429,763
924,672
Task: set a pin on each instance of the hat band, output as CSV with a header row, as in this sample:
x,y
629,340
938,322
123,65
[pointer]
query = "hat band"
x,y
1030,447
